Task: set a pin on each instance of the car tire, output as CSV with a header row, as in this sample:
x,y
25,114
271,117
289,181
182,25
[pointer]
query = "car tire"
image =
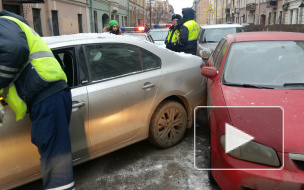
x,y
168,124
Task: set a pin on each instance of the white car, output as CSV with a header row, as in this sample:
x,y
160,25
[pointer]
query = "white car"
x,y
159,36
210,35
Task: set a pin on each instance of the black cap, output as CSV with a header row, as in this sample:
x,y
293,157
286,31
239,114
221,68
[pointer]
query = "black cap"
x,y
176,16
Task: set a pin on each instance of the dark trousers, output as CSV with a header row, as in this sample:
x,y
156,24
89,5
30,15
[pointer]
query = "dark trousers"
x,y
50,133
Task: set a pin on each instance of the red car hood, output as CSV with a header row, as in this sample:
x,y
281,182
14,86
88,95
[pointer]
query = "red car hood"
x,y
292,101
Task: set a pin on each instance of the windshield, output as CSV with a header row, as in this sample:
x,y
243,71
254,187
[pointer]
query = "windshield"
x,y
277,64
158,35
214,35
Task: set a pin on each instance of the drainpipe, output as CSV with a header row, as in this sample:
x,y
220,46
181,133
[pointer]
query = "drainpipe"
x,y
49,15
92,17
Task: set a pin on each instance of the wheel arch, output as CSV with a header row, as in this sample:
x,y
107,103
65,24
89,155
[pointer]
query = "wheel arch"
x,y
184,102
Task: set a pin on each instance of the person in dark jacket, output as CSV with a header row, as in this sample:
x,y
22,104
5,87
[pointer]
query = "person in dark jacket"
x,y
188,32
113,28
173,34
31,79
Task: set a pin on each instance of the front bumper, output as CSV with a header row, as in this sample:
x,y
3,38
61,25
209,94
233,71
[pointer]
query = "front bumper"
x,y
290,177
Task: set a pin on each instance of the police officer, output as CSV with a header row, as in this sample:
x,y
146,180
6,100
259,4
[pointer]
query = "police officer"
x,y
173,34
31,79
188,32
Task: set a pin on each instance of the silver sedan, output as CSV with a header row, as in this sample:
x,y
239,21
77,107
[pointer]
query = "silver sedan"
x,y
124,90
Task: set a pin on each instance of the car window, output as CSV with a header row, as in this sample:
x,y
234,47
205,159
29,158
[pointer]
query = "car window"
x,y
112,60
159,35
214,35
65,57
239,29
150,61
151,39
217,50
221,54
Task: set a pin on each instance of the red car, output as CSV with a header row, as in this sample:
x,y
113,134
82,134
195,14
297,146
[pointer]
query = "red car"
x,y
258,69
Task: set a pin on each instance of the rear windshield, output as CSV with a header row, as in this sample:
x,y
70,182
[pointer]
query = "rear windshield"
x,y
159,35
214,35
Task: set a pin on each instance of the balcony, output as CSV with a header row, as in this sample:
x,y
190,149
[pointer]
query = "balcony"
x,y
272,3
250,7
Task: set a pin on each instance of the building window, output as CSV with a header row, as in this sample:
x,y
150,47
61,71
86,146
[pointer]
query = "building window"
x,y
95,22
274,17
290,16
126,21
37,21
280,18
269,17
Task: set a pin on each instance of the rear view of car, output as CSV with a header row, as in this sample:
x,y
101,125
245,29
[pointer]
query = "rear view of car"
x,y
159,36
210,35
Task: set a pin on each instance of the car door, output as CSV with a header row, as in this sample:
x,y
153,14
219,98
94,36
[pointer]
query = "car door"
x,y
74,66
216,60
121,91
19,157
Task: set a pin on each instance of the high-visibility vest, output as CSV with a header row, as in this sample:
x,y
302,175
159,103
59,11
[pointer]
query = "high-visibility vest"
x,y
193,29
44,63
175,37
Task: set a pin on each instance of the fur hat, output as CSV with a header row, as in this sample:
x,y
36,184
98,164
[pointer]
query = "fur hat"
x,y
176,16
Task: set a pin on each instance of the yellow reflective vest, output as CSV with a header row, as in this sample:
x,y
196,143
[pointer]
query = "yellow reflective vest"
x,y
41,59
175,37
193,29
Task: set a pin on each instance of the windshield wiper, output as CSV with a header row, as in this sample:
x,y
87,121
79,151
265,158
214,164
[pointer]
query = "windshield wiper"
x,y
293,84
248,85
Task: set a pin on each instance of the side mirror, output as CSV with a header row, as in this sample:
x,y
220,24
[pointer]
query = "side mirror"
x,y
209,72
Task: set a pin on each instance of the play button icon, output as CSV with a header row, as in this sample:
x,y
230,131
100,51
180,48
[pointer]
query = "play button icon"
x,y
235,138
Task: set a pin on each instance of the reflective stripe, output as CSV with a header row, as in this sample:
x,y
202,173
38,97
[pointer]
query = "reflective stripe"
x,y
40,54
11,69
192,40
63,187
4,75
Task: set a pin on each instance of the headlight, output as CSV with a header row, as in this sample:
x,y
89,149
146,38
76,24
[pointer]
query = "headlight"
x,y
254,152
205,54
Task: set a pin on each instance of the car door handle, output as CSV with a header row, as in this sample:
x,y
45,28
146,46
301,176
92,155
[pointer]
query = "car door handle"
x,y
148,85
78,104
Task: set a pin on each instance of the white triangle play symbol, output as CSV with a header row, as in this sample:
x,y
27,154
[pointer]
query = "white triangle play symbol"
x,y
235,138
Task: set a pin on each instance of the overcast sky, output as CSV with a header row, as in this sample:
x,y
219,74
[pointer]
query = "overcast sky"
x,y
179,4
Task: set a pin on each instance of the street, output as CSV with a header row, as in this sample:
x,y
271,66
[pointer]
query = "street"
x,y
144,166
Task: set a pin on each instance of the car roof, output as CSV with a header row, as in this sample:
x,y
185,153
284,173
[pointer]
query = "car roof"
x,y
135,33
85,38
266,36
160,29
221,26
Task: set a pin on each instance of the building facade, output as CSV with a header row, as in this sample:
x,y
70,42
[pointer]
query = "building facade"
x,y
137,12
102,11
161,12
51,17
263,12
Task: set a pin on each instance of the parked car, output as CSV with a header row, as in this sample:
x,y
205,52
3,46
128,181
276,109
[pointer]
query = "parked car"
x,y
138,32
210,35
141,35
124,90
159,36
258,69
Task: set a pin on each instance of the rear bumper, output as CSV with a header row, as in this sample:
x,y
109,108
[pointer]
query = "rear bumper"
x,y
290,177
